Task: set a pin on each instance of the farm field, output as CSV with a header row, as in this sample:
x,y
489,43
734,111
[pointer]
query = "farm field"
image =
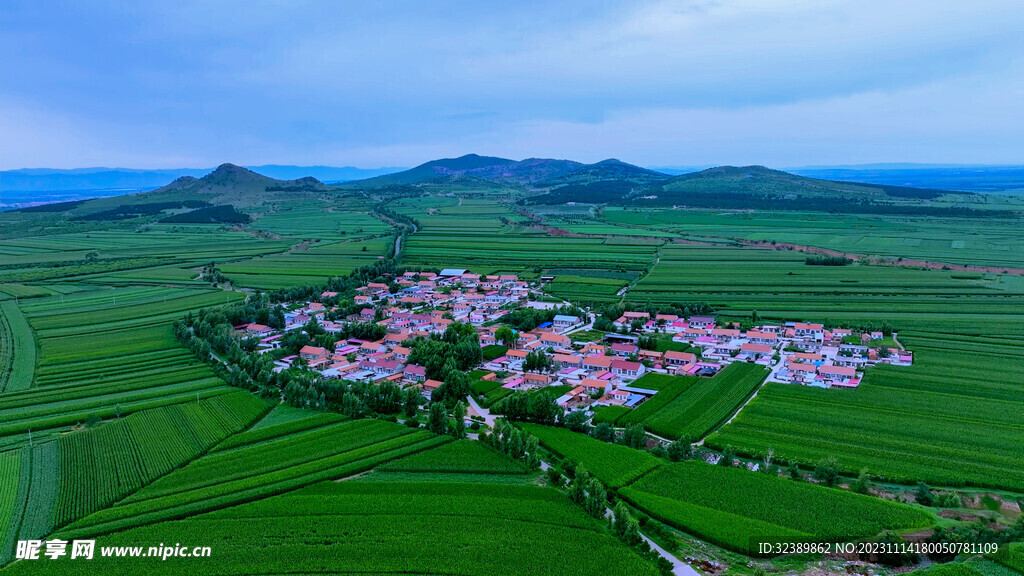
x,y
108,352
384,528
958,423
273,466
461,457
484,236
612,464
17,349
995,243
956,408
700,405
306,266
319,221
734,508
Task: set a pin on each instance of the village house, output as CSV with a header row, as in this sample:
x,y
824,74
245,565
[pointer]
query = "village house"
x,y
627,368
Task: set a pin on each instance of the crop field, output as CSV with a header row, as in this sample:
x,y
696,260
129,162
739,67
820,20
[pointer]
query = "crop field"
x,y
319,221
79,473
382,528
612,464
484,236
107,352
956,409
17,349
228,477
994,243
462,457
281,421
1012,556
586,289
702,405
734,508
309,266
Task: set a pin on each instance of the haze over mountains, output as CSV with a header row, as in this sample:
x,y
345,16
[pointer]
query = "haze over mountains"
x,y
32,186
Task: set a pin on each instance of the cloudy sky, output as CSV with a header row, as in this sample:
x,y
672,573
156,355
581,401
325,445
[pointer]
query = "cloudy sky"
x,y
676,83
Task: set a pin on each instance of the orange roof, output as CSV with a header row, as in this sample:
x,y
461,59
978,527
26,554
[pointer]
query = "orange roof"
x,y
432,384
516,353
802,367
599,361
681,356
761,348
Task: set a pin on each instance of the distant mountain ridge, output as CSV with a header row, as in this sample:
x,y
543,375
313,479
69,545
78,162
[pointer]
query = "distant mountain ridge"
x,y
541,172
52,179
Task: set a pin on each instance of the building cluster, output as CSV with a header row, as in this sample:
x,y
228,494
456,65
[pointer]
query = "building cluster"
x,y
594,373
797,352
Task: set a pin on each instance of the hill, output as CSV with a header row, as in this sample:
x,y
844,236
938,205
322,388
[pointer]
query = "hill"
x,y
757,187
228,185
532,172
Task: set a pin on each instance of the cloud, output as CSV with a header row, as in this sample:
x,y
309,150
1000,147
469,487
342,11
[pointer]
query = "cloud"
x,y
791,81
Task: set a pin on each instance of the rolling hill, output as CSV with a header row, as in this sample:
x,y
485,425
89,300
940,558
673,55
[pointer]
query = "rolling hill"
x,y
532,172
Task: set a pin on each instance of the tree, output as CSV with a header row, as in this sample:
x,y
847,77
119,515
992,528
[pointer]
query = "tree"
x,y
728,457
794,471
438,421
827,471
596,498
506,336
766,464
576,421
554,477
863,483
923,494
459,425
412,402
634,436
577,493
680,449
604,432
620,518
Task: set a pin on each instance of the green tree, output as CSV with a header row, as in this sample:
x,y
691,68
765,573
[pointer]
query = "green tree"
x,y
923,494
438,420
604,432
596,498
459,423
827,471
681,449
634,436
506,336
863,483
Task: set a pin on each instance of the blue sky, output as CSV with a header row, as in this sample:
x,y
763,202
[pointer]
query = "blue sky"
x,y
781,83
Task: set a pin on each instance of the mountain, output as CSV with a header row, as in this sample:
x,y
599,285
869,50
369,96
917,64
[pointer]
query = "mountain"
x,y
610,169
542,172
231,184
757,187
112,181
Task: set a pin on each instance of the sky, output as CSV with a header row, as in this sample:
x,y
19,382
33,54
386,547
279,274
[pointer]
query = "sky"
x,y
397,83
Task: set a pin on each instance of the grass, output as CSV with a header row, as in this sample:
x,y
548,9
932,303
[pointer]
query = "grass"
x,y
612,464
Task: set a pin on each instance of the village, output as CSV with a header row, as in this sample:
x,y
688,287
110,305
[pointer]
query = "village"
x,y
595,368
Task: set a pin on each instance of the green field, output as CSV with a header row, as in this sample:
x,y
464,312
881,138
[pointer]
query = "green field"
x,y
462,457
736,508
700,405
381,528
612,464
17,349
